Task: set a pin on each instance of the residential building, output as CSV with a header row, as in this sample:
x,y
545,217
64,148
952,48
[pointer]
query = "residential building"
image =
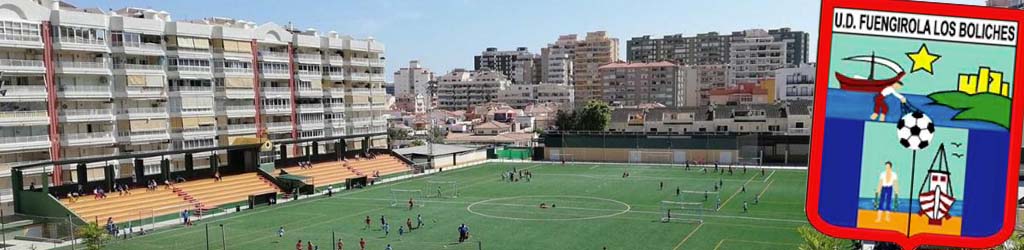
x,y
132,81
755,57
463,89
744,93
1015,4
412,87
634,84
518,65
557,61
710,48
596,49
520,96
790,118
709,77
795,83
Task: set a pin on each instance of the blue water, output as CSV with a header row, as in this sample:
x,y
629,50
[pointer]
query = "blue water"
x,y
859,106
868,204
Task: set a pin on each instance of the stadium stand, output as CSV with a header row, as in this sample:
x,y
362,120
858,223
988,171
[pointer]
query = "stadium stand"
x,y
325,173
385,164
141,204
208,194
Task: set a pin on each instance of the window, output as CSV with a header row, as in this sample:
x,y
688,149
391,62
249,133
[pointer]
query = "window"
x,y
799,125
19,31
72,34
151,169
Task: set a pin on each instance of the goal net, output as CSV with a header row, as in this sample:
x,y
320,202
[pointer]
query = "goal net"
x,y
677,211
638,156
401,197
562,157
442,189
707,199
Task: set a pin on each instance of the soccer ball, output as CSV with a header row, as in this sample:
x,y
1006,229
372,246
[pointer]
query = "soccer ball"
x,y
915,130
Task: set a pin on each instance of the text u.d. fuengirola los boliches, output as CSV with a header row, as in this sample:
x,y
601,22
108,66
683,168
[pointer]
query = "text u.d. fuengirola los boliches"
x,y
943,28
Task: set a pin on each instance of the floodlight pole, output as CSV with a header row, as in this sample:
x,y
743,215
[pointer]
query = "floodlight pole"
x,y
223,242
207,236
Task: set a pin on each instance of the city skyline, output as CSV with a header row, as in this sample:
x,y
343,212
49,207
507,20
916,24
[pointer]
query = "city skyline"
x,y
445,35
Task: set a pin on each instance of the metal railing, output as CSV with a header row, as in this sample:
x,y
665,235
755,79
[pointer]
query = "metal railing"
x,y
197,130
241,126
307,56
20,115
82,41
236,70
272,54
23,139
240,108
82,65
19,63
25,90
274,71
85,112
89,136
357,76
145,111
360,61
85,89
189,68
21,38
278,125
336,59
141,133
192,89
133,66
144,90
141,45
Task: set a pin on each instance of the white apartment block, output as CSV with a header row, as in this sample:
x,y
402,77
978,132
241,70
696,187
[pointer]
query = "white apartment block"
x,y
88,83
464,89
521,95
596,49
557,61
412,87
755,57
795,83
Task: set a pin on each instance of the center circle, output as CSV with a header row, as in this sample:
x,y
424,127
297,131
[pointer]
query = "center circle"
x,y
556,208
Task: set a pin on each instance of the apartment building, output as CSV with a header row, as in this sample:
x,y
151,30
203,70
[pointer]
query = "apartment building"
x,y
557,61
464,89
412,87
90,83
596,49
635,84
709,77
521,95
520,65
755,57
795,83
710,48
790,118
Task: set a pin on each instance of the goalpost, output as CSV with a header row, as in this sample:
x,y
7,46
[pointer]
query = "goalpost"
x,y
708,200
562,157
442,189
640,156
682,211
400,197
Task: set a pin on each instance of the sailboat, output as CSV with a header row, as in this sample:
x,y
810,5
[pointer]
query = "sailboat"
x,y
870,84
936,196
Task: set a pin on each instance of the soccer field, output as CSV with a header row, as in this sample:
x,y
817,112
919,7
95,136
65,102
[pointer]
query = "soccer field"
x,y
594,207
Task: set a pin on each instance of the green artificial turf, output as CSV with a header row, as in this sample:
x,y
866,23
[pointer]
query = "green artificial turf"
x,y
595,207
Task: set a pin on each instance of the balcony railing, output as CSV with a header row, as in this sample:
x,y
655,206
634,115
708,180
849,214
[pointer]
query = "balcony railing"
x,y
311,92
149,134
276,90
359,106
377,77
273,55
140,45
198,130
336,60
359,61
134,90
86,113
267,71
355,120
193,110
237,70
84,89
147,112
189,68
240,108
25,91
359,76
360,91
12,116
22,38
306,56
310,73
277,108
311,107
197,89
13,140
336,75
279,125
376,63
21,64
130,66
236,127
79,137
76,40
82,65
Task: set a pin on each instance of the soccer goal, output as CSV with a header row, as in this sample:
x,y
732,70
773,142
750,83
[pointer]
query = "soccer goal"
x,y
677,211
708,200
401,197
562,157
442,189
639,156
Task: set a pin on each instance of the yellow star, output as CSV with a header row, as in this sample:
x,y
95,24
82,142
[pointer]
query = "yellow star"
x,y
923,60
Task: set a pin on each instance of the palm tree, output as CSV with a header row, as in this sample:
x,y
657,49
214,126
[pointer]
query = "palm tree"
x,y
813,240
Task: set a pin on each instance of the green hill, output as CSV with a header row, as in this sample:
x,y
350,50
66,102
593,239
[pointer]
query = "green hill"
x,y
985,107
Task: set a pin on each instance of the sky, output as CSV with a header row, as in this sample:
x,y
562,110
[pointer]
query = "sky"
x,y
446,34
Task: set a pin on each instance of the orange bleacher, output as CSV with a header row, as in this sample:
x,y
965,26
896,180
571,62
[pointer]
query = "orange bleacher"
x,y
322,174
383,164
140,204
208,193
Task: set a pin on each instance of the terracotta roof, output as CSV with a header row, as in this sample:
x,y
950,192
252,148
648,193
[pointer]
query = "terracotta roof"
x,y
492,124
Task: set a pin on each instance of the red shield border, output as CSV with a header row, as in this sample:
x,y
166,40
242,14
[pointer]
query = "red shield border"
x,y
818,122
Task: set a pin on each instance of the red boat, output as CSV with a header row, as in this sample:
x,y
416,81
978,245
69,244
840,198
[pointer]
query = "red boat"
x,y
870,84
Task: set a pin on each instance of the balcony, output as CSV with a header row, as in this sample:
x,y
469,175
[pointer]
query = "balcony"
x,y
277,109
379,122
75,43
378,129
145,92
236,71
360,91
276,91
311,92
196,144
309,74
240,110
192,69
75,67
14,143
140,68
336,131
193,111
308,58
192,90
311,108
274,73
24,118
27,92
359,121
311,124
86,115
335,75
336,92
144,113
143,136
239,93
376,77
235,129
359,77
336,60
22,66
203,131
379,106
87,139
23,40
279,126
359,107
84,91
361,62
379,63
138,48
273,56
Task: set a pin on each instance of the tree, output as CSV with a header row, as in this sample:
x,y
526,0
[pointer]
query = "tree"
x,y
416,143
396,134
565,120
1015,242
93,236
813,240
436,134
595,116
